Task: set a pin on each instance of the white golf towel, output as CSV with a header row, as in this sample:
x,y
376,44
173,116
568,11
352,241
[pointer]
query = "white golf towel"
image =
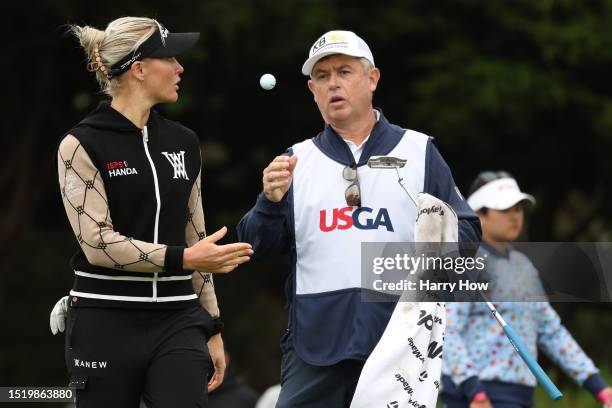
x,y
404,368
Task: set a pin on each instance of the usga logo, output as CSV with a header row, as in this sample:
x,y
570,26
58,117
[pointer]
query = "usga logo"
x,y
363,218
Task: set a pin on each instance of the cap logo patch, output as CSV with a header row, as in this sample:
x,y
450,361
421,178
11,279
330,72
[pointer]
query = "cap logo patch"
x,y
328,40
337,37
318,44
508,186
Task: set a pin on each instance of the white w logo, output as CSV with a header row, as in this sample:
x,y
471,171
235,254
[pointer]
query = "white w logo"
x,y
177,160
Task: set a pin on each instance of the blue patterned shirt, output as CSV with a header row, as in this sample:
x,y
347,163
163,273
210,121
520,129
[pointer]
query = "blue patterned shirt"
x,y
476,347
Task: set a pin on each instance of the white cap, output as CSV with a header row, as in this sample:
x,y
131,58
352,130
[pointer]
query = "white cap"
x,y
337,42
499,194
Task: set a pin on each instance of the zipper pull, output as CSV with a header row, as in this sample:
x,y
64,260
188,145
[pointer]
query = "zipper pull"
x,y
145,134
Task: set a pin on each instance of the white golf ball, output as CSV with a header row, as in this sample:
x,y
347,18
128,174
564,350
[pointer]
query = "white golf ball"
x,y
267,81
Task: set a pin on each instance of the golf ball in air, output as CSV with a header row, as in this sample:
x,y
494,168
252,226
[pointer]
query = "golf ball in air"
x,y
267,81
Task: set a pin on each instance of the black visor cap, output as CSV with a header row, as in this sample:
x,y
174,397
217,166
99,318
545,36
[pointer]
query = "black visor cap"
x,y
175,44
161,44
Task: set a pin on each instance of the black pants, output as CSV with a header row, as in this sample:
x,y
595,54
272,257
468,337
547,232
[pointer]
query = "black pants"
x,y
305,385
501,394
455,403
115,356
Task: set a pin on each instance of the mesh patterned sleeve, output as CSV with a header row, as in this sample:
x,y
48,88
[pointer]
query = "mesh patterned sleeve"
x,y
195,231
87,209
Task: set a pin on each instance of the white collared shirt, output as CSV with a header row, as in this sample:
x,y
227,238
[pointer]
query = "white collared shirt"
x,y
357,150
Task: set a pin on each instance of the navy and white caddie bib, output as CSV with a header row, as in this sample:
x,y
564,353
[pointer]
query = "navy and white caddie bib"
x,y
330,322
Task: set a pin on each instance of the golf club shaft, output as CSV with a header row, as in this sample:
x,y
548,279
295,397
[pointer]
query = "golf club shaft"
x,y
518,345
400,180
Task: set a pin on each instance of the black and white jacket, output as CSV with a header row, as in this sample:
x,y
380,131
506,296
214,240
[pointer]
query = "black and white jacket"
x,y
133,198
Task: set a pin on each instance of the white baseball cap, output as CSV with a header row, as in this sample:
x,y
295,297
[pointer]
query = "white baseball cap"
x,y
337,42
499,194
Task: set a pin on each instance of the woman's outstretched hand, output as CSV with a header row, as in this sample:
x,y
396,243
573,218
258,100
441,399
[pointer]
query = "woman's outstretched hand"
x,y
207,256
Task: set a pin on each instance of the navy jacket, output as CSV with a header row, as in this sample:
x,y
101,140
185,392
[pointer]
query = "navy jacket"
x,y
268,226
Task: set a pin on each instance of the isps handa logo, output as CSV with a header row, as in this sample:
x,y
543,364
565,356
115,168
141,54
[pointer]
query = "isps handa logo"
x,y
363,218
120,168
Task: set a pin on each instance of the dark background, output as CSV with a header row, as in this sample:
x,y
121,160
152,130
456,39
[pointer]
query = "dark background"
x,y
521,86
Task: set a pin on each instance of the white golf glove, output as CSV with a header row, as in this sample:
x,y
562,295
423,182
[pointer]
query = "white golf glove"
x,y
57,319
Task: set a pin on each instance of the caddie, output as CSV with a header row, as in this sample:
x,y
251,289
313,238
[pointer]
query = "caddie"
x,y
320,201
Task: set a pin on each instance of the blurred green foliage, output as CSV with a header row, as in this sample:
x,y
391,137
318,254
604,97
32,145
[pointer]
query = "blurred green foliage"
x,y
573,396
